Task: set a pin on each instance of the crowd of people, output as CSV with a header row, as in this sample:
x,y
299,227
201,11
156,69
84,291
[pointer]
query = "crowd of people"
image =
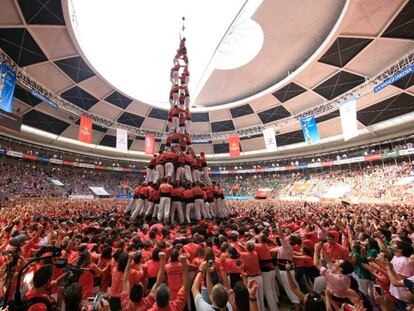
x,y
33,179
265,255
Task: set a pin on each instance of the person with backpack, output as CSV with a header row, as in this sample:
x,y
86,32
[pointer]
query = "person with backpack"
x,y
38,298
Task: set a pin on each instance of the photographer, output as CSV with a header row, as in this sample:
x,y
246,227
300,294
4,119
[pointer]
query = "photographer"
x,y
73,300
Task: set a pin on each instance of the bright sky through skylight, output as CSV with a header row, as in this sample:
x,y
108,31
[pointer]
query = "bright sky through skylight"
x,y
132,43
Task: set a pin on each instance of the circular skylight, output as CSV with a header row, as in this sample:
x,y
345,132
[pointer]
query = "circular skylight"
x,y
131,44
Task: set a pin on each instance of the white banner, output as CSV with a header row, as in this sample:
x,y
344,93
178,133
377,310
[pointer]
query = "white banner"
x,y
57,182
121,140
99,191
348,119
270,139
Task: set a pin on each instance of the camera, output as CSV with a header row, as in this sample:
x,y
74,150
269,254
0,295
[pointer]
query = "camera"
x,y
210,263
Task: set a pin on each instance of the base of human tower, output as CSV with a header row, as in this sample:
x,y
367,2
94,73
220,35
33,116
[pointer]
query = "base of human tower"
x,y
177,187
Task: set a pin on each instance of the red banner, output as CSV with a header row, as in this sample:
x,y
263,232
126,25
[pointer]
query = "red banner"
x,y
149,144
85,130
234,146
262,194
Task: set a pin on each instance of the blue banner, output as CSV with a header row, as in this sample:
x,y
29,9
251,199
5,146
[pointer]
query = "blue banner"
x,y
7,85
123,196
398,76
44,99
310,130
43,159
235,197
2,151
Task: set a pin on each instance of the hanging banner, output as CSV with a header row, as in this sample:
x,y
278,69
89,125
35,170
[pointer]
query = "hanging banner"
x,y
310,130
149,144
349,119
270,139
234,146
398,76
121,140
7,85
85,130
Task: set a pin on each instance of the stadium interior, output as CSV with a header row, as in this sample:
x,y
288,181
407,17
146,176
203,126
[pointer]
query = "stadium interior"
x,y
250,155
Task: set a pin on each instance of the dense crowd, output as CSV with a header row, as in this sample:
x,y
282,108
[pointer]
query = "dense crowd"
x,y
265,255
28,178
390,182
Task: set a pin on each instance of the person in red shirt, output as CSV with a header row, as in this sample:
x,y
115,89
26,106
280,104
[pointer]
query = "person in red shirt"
x,y
149,178
159,169
174,74
182,123
177,203
170,157
174,271
140,206
89,270
175,117
116,281
187,120
267,271
133,203
334,250
204,167
180,170
209,203
153,196
198,200
196,168
165,191
251,264
189,202
187,167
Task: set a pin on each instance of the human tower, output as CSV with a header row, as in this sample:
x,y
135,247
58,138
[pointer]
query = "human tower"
x,y
177,183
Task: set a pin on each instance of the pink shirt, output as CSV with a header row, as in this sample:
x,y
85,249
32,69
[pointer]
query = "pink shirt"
x,y
285,251
337,283
401,266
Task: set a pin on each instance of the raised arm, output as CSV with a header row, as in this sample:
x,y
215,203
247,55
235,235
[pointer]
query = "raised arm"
x,y
195,289
125,280
161,272
295,289
209,282
186,278
316,256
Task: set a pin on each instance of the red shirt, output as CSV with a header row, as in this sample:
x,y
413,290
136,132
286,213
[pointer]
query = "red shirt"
x,y
263,253
230,266
116,284
191,249
188,194
251,262
166,188
152,268
170,156
174,271
197,191
86,281
336,251
177,192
